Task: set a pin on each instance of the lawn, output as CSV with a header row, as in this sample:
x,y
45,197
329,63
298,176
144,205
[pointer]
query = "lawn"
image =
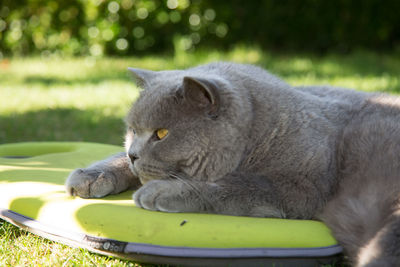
x,y
85,99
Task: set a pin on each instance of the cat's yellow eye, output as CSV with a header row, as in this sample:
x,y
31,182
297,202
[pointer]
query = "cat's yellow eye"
x,y
161,133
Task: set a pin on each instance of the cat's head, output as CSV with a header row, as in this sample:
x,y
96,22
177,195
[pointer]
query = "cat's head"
x,y
184,122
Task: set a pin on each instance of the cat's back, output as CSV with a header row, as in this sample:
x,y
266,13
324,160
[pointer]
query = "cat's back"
x,y
369,175
241,75
254,80
373,132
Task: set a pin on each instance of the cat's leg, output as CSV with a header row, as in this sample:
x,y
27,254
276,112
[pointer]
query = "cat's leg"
x,y
383,249
367,224
364,215
230,195
109,176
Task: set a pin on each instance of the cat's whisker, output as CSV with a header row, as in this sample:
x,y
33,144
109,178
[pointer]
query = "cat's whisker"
x,y
193,187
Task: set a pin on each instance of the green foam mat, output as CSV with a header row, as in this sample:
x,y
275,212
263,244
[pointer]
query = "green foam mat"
x,y
32,196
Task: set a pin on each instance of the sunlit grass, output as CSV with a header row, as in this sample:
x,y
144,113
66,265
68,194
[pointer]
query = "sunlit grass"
x,y
20,248
73,88
85,99
364,71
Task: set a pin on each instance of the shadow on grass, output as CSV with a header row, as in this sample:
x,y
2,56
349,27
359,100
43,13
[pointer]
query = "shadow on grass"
x,y
334,66
93,79
328,68
62,124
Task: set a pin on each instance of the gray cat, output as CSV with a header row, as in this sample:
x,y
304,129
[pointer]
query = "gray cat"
x,y
233,139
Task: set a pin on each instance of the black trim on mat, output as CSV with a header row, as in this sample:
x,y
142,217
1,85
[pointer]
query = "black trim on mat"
x,y
232,252
15,157
146,251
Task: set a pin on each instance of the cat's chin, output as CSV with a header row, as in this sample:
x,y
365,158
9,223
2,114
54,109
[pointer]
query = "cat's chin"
x,y
145,179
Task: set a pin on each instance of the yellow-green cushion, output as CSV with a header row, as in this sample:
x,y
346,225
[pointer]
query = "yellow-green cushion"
x,y
32,177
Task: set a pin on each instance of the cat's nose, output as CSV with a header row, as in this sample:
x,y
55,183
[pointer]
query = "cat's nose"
x,y
133,157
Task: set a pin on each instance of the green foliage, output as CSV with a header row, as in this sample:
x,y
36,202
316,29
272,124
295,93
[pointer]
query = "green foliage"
x,y
97,27
120,27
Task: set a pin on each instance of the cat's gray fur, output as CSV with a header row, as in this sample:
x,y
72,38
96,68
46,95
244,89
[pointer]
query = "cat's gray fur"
x,y
243,142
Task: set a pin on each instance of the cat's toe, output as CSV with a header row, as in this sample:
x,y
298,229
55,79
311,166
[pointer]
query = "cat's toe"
x,y
71,191
136,199
102,186
167,204
145,196
79,188
157,195
87,184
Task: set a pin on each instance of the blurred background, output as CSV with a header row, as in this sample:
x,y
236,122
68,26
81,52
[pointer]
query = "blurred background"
x,y
132,27
63,67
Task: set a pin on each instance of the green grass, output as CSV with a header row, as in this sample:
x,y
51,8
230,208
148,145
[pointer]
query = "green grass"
x,y
82,99
85,100
20,248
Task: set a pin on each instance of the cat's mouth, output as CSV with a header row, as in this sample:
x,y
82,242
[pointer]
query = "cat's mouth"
x,y
144,179
133,170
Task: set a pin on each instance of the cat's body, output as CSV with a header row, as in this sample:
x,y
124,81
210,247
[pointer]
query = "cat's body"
x,y
242,142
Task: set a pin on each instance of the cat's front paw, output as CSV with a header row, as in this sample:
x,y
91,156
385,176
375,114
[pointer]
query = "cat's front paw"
x,y
164,195
89,183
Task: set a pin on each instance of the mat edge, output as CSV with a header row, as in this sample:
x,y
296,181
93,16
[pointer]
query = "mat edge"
x,y
113,247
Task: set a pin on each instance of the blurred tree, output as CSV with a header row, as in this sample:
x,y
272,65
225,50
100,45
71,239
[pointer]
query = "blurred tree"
x,y
118,27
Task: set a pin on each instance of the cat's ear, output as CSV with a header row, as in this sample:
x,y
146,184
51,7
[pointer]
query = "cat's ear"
x,y
202,93
142,77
